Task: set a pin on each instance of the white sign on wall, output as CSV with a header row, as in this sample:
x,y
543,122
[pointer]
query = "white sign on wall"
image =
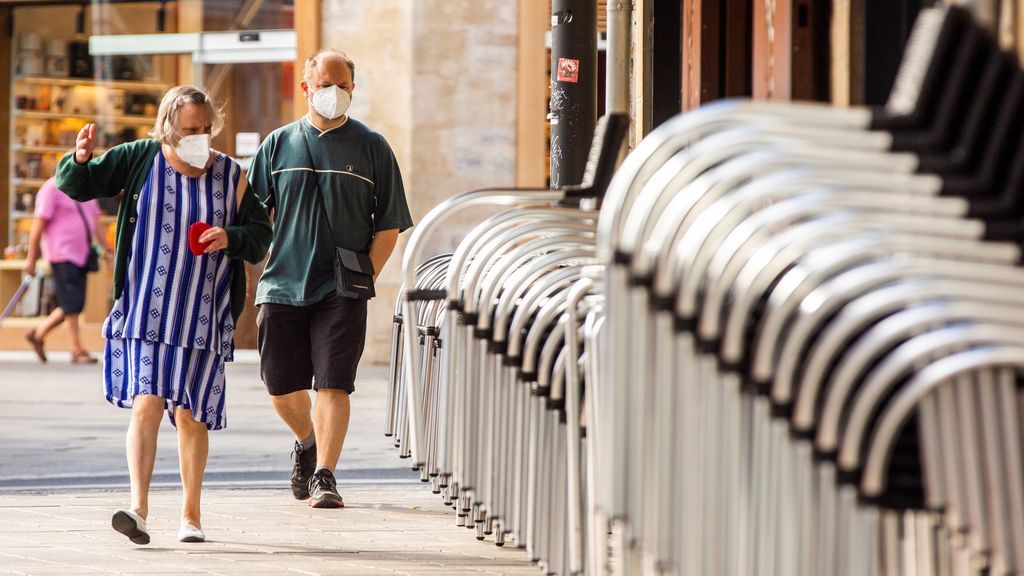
x,y
246,144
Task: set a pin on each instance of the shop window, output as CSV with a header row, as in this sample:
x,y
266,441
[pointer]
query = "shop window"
x,y
57,86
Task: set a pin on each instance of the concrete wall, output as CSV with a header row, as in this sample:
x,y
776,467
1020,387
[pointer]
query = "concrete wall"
x,y
437,79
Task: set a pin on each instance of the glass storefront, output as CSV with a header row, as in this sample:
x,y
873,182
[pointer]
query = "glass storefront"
x,y
64,74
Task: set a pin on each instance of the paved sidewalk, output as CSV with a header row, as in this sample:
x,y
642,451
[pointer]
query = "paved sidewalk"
x,y
56,428
384,530
63,472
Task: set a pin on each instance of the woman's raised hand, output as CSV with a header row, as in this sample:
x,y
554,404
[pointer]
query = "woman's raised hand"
x,y
85,143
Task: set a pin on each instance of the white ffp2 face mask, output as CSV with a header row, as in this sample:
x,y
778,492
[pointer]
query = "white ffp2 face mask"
x,y
194,149
330,102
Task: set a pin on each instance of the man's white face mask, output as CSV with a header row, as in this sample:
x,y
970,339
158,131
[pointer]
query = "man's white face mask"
x,y
330,102
194,149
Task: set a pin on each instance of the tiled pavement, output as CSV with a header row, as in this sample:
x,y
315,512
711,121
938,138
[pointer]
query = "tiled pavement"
x,y
62,473
383,530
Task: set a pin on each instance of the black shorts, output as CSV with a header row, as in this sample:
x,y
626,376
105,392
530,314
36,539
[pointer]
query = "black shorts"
x,y
69,282
316,346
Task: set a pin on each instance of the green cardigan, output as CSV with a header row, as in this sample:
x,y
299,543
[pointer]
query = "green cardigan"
x,y
125,168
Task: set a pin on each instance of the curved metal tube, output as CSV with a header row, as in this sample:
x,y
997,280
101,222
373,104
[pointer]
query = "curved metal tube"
x,y
821,265
553,346
500,275
535,346
924,301
417,242
729,211
483,232
521,283
553,281
696,251
510,240
863,285
923,383
573,386
841,388
851,251
903,361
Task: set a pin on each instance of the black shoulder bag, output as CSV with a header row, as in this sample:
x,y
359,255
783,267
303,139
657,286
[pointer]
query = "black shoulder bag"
x,y
92,264
353,271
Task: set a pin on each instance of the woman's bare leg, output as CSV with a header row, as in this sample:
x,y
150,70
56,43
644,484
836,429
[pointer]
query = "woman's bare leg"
x,y
193,448
140,447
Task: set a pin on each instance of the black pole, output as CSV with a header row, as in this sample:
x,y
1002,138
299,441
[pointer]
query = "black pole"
x,y
80,20
573,88
161,16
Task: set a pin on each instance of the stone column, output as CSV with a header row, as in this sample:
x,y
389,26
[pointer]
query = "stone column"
x,y
437,79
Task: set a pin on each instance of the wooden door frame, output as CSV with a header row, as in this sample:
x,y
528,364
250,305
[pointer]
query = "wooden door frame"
x,y
532,82
794,62
716,50
5,123
308,25
772,55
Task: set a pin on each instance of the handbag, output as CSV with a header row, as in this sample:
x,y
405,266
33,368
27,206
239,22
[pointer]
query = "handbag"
x,y
353,271
92,263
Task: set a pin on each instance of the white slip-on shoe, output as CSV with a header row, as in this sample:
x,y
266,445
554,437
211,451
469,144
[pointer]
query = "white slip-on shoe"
x,y
131,525
189,533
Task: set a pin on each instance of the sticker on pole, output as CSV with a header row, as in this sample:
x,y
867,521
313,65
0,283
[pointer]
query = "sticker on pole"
x,y
568,70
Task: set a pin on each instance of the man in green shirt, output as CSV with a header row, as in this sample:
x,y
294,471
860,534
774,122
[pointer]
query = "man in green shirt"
x,y
330,181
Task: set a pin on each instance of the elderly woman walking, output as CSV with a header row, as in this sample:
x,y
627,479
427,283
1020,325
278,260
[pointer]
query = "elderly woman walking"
x,y
185,226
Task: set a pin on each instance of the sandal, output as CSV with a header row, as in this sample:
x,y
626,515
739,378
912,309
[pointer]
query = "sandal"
x,y
82,357
37,345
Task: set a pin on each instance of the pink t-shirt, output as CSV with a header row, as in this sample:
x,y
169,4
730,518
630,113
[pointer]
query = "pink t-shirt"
x,y
64,237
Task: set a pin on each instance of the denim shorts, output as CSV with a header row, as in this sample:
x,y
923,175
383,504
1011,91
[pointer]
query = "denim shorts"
x,y
69,281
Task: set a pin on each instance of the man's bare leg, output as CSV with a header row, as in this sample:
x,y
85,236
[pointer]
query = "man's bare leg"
x,y
76,334
330,420
51,322
294,410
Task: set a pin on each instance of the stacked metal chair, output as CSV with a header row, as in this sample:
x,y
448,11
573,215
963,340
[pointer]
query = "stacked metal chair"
x,y
789,343
483,380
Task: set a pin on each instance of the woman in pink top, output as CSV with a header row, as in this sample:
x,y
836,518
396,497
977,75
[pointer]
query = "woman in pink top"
x,y
65,228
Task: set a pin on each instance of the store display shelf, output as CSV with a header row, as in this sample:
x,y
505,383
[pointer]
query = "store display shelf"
x,y
120,84
16,264
27,182
49,149
22,322
40,149
34,115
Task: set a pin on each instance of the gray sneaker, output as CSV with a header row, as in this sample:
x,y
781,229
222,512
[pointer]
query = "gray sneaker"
x,y
323,491
305,465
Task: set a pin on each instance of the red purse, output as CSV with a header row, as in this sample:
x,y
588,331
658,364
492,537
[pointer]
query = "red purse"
x,y
194,232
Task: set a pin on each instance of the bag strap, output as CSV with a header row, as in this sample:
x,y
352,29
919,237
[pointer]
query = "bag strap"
x,y
316,182
88,232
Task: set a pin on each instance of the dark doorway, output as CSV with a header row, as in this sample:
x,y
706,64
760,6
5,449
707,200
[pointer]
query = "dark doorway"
x,y
886,27
812,50
666,79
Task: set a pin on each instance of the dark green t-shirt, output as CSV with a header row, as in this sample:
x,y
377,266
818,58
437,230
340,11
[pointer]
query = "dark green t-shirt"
x,y
360,186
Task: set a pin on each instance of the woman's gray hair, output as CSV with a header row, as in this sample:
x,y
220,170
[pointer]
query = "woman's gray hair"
x,y
167,117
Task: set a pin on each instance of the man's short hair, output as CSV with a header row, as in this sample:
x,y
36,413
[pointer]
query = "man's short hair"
x,y
316,57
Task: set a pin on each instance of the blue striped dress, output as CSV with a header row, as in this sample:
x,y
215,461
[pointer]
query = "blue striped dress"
x,y
170,331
